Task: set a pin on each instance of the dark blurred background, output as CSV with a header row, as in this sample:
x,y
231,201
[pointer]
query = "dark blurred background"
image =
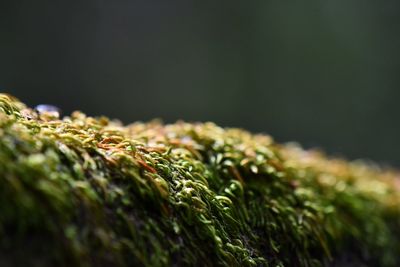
x,y
323,73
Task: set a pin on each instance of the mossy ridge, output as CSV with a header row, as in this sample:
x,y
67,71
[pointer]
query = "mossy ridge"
x,y
90,192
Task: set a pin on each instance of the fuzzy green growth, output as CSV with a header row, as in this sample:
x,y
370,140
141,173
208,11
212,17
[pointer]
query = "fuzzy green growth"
x,y
81,191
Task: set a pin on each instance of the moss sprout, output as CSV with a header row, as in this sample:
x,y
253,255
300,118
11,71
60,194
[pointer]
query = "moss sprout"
x,y
83,191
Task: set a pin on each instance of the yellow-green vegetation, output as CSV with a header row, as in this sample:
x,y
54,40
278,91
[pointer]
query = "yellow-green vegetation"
x,y
83,191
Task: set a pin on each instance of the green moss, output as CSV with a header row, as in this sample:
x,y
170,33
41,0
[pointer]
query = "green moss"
x,y
81,191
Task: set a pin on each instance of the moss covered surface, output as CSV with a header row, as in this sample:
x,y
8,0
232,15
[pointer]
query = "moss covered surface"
x,y
82,191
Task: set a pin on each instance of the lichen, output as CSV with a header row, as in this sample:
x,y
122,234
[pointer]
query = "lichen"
x,y
83,191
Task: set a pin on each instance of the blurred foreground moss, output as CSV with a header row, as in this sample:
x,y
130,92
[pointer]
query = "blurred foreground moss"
x,y
81,191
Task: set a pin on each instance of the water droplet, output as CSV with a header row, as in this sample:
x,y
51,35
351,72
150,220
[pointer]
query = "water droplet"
x,y
48,111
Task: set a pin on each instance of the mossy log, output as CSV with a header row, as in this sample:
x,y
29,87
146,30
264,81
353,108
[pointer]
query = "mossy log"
x,y
83,191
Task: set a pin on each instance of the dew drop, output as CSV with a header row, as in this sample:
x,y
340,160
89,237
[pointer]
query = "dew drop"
x,y
49,111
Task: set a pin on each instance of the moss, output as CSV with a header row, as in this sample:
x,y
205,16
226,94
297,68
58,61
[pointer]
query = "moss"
x,y
83,191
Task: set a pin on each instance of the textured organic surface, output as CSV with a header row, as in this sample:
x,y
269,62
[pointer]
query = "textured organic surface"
x,y
81,191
